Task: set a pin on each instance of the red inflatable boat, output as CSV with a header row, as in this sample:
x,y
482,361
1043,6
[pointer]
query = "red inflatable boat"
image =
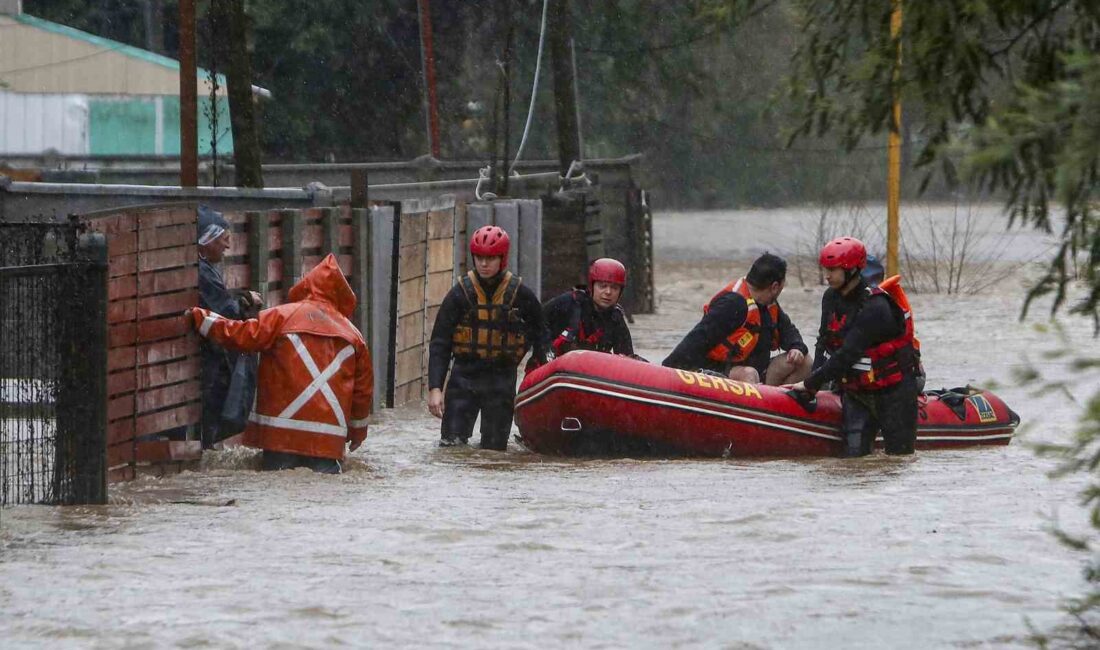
x,y
590,403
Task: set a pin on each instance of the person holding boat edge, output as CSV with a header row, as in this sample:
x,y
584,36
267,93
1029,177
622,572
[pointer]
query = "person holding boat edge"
x,y
741,325
487,323
865,343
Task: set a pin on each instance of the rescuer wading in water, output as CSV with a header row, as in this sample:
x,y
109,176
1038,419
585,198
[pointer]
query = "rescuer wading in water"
x,y
486,324
865,344
315,383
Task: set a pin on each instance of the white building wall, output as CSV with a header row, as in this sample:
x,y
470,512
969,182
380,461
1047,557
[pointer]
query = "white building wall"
x,y
32,123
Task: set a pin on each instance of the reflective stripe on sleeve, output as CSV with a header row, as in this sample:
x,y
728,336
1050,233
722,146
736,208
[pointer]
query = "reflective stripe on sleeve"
x,y
208,322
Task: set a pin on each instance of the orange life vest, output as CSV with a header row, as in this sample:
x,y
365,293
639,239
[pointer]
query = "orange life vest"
x,y
882,365
740,343
892,286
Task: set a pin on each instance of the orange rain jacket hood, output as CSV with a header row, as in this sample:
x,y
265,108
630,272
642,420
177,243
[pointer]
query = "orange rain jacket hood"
x,y
315,379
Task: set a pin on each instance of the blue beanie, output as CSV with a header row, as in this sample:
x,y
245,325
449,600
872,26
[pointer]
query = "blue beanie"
x,y
211,225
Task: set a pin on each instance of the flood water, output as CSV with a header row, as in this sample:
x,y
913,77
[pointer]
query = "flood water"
x,y
420,546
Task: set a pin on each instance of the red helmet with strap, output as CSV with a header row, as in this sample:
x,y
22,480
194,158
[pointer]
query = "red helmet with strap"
x,y
490,241
844,253
606,269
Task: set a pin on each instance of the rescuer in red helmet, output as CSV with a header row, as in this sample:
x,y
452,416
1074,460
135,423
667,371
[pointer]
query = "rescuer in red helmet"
x,y
741,326
590,317
865,344
486,324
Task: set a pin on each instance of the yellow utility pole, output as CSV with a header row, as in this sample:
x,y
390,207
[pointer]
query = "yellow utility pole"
x,y
893,178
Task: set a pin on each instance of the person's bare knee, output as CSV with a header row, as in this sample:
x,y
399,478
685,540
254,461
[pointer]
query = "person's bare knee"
x,y
779,371
803,370
746,374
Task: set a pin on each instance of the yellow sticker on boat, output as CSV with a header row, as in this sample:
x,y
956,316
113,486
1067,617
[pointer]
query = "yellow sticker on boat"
x,y
983,407
718,383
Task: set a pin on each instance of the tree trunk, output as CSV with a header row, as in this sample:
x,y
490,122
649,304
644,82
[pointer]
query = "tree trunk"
x,y
242,111
565,99
153,17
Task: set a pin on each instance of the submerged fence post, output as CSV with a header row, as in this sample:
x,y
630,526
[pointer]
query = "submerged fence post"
x,y
259,251
292,248
90,478
361,268
330,233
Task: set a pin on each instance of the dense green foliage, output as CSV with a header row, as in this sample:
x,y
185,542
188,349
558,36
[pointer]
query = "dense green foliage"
x,y
689,84
1008,95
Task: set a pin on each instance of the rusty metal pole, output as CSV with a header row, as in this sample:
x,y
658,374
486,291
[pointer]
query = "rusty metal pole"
x,y
893,154
189,104
427,61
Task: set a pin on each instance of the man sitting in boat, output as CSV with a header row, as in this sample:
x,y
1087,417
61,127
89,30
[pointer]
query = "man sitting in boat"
x,y
865,344
486,323
590,318
737,319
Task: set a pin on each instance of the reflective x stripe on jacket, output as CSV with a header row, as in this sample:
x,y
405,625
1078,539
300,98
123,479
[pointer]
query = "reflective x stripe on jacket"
x,y
311,396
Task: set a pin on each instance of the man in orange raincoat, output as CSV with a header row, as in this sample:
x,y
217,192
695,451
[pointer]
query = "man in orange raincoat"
x,y
315,380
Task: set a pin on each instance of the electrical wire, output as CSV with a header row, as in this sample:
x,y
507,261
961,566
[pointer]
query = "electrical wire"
x,y
534,90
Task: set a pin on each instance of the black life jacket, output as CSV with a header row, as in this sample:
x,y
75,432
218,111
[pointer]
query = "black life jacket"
x,y
576,337
491,328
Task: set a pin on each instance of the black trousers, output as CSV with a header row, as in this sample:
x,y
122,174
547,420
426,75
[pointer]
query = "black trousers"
x,y
892,410
278,460
488,390
214,380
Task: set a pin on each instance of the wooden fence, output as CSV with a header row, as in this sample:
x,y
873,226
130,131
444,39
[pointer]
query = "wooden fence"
x,y
400,258
152,366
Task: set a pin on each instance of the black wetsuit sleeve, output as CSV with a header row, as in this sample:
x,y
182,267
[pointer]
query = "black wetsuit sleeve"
x,y
822,331
439,348
873,324
530,310
622,343
557,311
726,314
789,336
214,295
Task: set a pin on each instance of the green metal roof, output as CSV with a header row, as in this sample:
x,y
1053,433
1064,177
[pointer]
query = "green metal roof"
x,y
116,46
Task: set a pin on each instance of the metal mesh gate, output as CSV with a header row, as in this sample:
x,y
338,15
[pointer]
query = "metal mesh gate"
x,y
52,364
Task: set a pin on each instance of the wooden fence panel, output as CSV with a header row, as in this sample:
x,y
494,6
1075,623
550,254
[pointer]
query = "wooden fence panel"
x,y
153,368
425,273
409,367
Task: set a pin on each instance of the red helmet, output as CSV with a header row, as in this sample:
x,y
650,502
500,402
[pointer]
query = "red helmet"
x,y
606,269
490,241
844,252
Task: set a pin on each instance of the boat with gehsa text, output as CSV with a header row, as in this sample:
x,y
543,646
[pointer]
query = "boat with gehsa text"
x,y
591,403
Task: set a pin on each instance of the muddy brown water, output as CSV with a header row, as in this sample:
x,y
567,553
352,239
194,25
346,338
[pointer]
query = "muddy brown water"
x,y
420,546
